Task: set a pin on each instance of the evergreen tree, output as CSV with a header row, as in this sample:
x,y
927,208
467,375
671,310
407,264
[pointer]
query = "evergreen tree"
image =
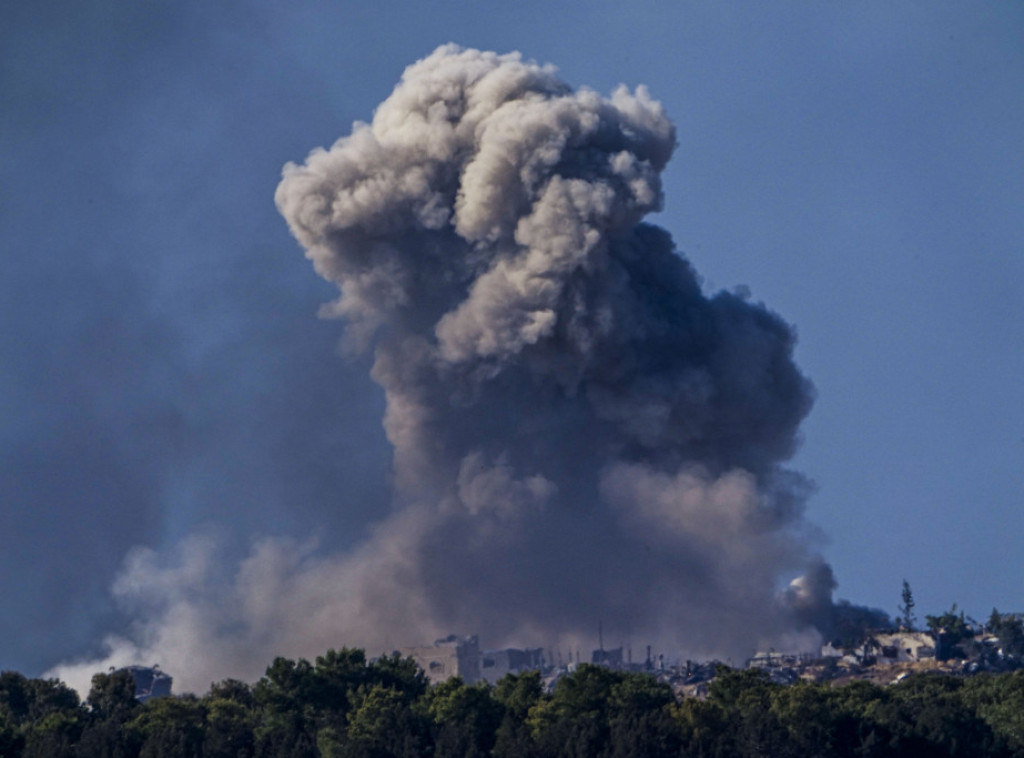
x,y
906,610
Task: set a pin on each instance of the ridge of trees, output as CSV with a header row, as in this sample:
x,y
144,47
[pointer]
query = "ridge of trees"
x,y
343,705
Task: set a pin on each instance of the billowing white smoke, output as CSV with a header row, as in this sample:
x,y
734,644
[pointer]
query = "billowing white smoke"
x,y
579,432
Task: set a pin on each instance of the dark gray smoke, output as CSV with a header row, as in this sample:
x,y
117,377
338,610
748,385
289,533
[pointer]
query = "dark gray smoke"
x,y
809,600
584,431
580,433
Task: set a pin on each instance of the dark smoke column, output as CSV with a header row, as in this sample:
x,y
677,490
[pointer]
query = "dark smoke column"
x,y
579,432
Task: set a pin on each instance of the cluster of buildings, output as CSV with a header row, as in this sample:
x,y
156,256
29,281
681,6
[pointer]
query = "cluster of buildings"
x,y
887,657
877,656
462,656
896,647
881,656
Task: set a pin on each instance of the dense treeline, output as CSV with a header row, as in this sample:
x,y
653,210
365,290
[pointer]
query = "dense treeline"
x,y
344,705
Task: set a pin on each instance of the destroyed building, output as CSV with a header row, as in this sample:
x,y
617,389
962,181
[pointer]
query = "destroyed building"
x,y
902,647
610,658
494,664
448,657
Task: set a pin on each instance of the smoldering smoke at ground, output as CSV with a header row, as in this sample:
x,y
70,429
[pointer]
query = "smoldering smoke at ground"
x,y
580,432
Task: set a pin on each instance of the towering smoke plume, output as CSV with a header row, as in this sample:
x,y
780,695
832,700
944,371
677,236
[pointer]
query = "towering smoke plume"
x,y
579,432
577,429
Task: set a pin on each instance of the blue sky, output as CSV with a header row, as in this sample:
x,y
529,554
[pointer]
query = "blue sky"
x,y
858,167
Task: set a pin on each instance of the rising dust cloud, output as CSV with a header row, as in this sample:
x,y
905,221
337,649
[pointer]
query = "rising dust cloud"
x,y
580,433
